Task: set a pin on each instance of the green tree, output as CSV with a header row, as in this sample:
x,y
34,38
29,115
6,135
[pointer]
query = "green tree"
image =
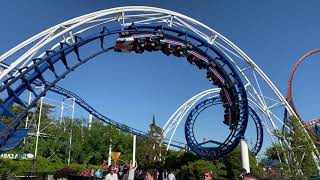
x,y
297,159
196,169
153,149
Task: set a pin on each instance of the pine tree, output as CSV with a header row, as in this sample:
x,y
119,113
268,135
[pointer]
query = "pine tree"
x,y
153,147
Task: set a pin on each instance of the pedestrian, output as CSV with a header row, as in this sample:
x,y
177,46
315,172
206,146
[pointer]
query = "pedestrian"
x,y
104,165
164,175
171,176
112,175
132,170
139,175
150,175
250,176
208,175
98,174
85,172
126,167
92,173
243,172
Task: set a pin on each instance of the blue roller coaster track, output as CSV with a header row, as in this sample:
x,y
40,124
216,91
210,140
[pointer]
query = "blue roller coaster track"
x,y
98,115
78,100
209,152
203,55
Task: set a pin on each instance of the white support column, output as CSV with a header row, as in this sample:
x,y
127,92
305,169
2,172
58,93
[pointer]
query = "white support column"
x,y
70,137
61,112
134,150
90,121
38,127
109,155
244,155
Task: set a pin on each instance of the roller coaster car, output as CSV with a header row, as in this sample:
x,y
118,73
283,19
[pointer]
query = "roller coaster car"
x,y
197,59
214,65
160,35
124,44
229,121
228,118
138,49
151,44
127,42
189,46
190,59
212,77
231,112
199,64
179,51
172,47
167,49
209,76
224,99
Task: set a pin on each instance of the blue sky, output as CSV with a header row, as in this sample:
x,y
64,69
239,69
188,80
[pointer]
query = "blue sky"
x,y
130,88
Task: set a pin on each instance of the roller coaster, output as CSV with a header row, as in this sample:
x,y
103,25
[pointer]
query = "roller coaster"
x,y
240,86
314,123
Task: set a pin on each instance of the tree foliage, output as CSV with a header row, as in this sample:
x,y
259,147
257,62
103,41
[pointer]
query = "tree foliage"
x,y
90,146
296,157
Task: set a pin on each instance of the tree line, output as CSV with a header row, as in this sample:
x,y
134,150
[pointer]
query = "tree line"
x,y
90,147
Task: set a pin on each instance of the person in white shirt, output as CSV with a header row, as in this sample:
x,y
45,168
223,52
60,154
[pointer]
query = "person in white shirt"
x,y
164,175
132,169
171,176
112,175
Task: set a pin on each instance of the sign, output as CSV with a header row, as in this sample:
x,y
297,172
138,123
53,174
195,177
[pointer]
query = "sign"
x,y
17,156
115,156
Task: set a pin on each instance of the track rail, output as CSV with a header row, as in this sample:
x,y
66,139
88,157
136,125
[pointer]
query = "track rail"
x,y
290,85
212,152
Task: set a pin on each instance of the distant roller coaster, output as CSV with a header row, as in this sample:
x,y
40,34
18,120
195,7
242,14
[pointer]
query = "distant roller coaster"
x,y
138,29
312,123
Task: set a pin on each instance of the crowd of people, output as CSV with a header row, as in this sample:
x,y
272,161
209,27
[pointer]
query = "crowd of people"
x,y
112,172
130,171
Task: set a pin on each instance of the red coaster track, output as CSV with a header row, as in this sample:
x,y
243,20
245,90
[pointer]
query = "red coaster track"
x,y
289,95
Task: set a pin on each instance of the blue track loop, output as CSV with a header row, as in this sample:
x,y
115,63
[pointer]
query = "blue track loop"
x,y
215,152
203,55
